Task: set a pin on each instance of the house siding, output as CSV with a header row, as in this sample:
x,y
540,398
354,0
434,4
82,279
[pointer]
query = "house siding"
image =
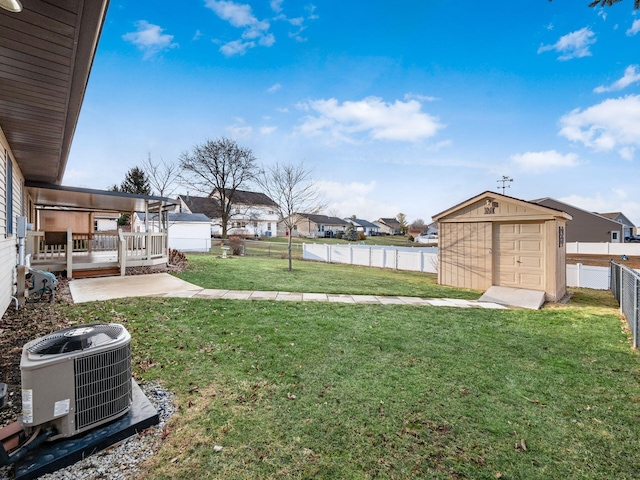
x,y
8,241
585,226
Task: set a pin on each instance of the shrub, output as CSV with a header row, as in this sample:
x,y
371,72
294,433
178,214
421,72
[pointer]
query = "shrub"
x,y
236,243
410,239
362,236
350,234
339,235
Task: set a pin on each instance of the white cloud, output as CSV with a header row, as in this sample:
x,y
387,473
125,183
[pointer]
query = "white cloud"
x,y
419,97
236,47
572,45
274,88
400,121
631,75
276,5
239,15
149,38
613,124
239,129
617,200
267,129
635,28
354,198
539,162
298,22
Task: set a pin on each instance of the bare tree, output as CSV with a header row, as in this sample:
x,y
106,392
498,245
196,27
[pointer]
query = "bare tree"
x,y
163,176
292,188
218,168
609,3
417,224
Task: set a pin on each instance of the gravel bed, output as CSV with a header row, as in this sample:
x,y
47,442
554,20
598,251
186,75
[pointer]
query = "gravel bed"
x,y
120,461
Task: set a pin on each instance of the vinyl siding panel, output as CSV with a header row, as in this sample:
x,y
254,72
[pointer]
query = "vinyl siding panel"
x,y
8,250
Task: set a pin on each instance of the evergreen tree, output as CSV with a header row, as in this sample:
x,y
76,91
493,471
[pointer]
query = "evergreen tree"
x,y
136,181
350,233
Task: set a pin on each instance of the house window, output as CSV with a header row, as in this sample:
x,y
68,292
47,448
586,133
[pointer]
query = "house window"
x,y
9,191
95,225
614,236
269,226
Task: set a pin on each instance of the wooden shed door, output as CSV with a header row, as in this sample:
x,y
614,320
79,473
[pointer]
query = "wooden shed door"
x,y
518,255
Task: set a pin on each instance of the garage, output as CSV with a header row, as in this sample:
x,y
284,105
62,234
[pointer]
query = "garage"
x,y
496,240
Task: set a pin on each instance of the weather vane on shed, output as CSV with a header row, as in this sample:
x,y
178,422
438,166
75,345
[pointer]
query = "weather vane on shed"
x,y
504,181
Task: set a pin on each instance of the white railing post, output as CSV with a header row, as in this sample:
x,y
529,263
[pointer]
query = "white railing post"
x,y
148,248
122,253
69,253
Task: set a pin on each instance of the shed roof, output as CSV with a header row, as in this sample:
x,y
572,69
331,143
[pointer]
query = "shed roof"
x,y
522,210
180,217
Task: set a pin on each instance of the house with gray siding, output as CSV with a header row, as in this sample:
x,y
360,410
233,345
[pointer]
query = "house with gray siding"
x,y
586,226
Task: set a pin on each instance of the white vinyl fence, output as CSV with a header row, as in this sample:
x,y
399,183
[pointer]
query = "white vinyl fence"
x,y
585,276
416,259
426,260
629,249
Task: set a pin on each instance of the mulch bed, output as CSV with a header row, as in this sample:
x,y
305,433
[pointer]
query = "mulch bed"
x,y
40,318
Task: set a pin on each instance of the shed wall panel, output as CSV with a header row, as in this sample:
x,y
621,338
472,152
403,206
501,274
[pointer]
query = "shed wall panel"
x,y
465,255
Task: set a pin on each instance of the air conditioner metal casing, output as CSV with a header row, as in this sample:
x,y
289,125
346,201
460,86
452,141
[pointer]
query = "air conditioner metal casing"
x,y
78,390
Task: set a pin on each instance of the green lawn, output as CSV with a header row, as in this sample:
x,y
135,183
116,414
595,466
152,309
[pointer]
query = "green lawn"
x,y
319,390
277,246
253,273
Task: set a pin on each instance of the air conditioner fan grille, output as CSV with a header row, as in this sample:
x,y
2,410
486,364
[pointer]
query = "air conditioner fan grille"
x,y
74,339
103,385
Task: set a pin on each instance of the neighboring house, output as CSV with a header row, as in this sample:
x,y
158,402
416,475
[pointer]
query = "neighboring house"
x,y
252,213
314,226
48,50
627,225
368,228
585,226
432,230
188,232
388,226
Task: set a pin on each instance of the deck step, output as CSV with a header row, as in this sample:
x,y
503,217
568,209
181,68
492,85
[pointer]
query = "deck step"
x,y
97,272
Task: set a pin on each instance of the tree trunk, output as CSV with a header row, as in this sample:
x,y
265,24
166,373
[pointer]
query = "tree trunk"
x,y
289,250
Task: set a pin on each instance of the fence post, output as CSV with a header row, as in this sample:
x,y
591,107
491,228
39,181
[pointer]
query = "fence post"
x,y
635,312
384,257
578,274
350,254
369,256
422,261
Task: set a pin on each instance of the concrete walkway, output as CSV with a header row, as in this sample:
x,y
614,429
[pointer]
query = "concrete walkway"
x,y
165,285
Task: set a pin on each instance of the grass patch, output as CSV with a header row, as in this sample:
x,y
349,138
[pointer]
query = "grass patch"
x,y
311,390
253,273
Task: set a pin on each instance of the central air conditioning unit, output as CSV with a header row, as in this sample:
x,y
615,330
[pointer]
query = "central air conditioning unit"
x,y
76,379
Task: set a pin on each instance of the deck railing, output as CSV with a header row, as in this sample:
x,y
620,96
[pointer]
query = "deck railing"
x,y
54,246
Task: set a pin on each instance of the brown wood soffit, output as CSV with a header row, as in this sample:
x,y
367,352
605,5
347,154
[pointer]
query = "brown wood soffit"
x,y
46,53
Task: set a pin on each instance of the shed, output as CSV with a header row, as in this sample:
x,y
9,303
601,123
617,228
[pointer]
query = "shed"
x,y
188,232
493,239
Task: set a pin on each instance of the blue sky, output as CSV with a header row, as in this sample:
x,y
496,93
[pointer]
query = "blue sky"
x,y
407,106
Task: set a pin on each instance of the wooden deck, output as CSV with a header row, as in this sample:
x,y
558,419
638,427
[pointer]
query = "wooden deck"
x,y
99,253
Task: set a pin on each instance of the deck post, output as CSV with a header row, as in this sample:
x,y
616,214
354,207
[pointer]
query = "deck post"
x,y
122,253
69,253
